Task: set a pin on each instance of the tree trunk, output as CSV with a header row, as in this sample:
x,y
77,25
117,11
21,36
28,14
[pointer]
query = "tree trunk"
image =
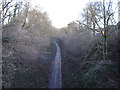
x,y
94,31
105,34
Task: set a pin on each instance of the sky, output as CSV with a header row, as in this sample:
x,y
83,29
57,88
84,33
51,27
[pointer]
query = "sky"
x,y
62,12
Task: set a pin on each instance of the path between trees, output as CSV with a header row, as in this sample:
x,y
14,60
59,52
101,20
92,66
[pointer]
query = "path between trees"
x,y
55,79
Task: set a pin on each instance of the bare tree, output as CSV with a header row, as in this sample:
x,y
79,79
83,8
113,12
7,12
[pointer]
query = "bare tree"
x,y
99,14
10,9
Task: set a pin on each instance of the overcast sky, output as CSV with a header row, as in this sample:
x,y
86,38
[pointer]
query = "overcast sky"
x,y
61,12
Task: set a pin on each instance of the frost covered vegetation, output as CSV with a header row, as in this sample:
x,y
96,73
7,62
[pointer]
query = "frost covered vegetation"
x,y
26,57
27,49
82,62
88,58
